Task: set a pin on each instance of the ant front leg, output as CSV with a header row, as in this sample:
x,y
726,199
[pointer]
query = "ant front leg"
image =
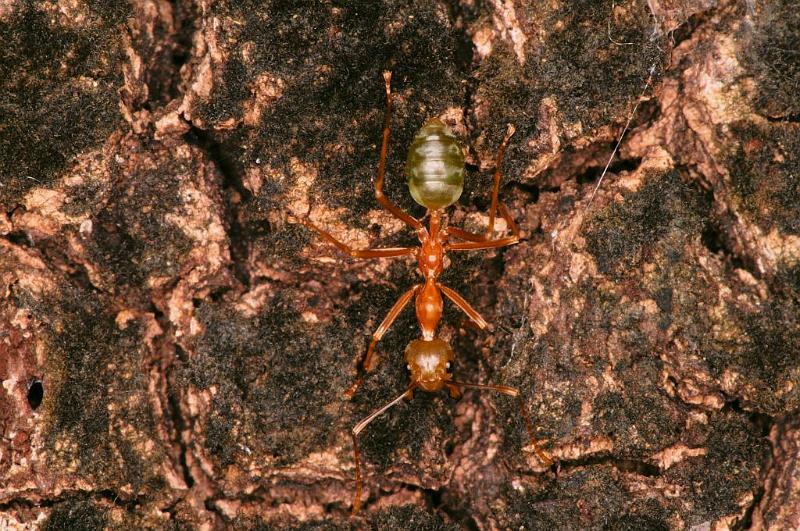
x,y
395,210
510,391
398,307
465,307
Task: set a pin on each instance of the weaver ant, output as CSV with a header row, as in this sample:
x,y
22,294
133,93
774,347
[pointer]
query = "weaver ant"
x,y
435,172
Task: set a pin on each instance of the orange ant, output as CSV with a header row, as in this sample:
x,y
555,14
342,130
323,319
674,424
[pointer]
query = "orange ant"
x,y
435,172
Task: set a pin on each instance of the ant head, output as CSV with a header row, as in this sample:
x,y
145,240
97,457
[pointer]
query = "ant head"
x,y
428,362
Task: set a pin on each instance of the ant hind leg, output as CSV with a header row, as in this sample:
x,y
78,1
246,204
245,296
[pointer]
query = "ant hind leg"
x,y
395,210
501,151
487,241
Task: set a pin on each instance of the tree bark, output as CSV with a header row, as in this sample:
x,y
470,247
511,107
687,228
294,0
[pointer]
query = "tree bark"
x,y
174,348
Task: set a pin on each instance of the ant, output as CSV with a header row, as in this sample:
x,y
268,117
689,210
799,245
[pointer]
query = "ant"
x,y
435,172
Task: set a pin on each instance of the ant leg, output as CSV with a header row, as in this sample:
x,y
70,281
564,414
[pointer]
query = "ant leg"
x,y
459,301
395,210
465,235
506,215
387,322
358,428
496,205
491,244
501,151
384,326
511,391
360,253
473,244
480,238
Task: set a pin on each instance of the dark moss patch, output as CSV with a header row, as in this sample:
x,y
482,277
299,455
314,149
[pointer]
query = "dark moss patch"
x,y
591,498
95,376
769,51
593,80
227,101
132,239
49,114
580,500
787,282
408,517
85,198
640,419
653,222
76,515
717,481
765,174
279,380
774,335
762,346
650,517
111,12
280,244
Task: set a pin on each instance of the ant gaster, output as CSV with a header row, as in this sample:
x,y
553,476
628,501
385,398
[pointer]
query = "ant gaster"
x,y
435,172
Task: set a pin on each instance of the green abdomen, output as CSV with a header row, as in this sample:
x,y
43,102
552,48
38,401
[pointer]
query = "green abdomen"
x,y
435,166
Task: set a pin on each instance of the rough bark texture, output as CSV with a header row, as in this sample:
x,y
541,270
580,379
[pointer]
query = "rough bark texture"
x,y
173,351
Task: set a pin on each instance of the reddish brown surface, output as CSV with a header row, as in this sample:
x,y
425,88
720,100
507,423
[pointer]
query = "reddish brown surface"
x,y
193,346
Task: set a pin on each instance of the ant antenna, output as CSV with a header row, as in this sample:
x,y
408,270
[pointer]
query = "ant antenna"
x,y
358,428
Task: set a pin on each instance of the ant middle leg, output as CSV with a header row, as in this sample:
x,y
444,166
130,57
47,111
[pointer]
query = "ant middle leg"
x,y
465,235
476,242
398,307
476,246
386,252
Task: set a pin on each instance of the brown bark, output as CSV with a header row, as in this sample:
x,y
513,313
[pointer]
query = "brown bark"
x,y
174,351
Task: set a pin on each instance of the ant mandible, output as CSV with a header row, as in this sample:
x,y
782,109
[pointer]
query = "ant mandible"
x,y
435,172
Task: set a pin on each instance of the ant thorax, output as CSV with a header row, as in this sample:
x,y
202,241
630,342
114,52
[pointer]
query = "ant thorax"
x,y
431,253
